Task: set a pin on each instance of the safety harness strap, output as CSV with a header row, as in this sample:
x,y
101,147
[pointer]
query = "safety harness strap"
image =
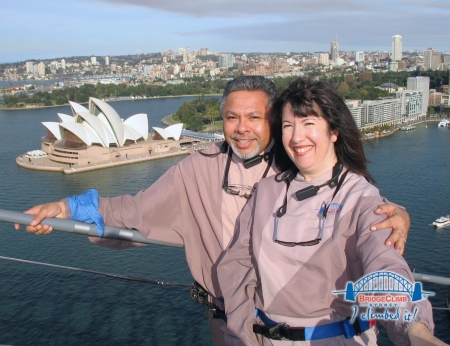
x,y
278,331
200,295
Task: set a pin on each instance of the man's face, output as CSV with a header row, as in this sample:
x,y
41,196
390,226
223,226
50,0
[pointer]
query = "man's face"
x,y
246,122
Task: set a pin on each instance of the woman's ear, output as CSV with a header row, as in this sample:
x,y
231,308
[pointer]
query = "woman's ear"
x,y
334,135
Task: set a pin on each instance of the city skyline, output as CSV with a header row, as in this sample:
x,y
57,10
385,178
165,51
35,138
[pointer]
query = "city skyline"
x,y
45,29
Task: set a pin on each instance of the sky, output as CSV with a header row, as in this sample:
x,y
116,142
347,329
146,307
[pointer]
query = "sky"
x,y
48,29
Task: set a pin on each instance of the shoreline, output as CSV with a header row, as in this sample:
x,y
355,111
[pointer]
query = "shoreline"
x,y
45,164
164,119
398,129
125,99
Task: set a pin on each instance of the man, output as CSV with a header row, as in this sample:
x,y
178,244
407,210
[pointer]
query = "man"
x,y
196,203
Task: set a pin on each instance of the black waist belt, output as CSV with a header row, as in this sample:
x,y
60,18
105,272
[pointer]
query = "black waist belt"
x,y
200,295
277,331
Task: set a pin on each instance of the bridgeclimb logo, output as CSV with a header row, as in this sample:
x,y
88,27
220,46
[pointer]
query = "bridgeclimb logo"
x,y
333,208
383,295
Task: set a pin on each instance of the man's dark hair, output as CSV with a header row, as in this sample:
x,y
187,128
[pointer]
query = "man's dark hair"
x,y
319,98
250,83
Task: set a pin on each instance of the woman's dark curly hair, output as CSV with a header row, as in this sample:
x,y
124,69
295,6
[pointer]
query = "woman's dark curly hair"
x,y
319,98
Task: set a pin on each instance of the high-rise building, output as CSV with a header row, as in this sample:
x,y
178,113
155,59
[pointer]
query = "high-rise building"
x,y
29,67
427,57
393,66
334,50
93,60
359,56
324,59
436,59
106,60
396,48
226,60
63,64
422,84
41,69
411,101
54,67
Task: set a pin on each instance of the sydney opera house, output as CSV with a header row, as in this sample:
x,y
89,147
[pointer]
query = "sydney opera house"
x,y
97,135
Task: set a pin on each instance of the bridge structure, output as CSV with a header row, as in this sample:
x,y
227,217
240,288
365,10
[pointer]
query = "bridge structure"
x,y
384,282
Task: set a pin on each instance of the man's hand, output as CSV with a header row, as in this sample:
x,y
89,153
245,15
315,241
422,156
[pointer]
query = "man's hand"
x,y
399,220
41,212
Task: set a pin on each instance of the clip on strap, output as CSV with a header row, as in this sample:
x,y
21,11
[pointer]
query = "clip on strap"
x,y
200,295
85,208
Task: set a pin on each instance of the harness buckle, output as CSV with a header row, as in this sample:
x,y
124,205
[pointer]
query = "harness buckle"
x,y
274,332
198,294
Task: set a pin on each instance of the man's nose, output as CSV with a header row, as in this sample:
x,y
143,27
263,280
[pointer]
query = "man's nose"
x,y
242,126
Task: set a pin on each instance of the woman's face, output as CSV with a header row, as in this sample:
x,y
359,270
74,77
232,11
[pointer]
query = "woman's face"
x,y
309,143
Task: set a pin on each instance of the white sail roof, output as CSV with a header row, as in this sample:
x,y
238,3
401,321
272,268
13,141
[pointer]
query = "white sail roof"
x,y
98,127
100,124
82,132
138,122
66,118
54,128
175,130
112,116
77,107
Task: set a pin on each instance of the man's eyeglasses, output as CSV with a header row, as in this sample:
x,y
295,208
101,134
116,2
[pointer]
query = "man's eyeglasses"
x,y
239,190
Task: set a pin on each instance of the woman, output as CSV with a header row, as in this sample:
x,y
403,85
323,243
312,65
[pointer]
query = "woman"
x,y
306,235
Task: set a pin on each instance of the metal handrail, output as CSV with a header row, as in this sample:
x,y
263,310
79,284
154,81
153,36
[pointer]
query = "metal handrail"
x,y
83,228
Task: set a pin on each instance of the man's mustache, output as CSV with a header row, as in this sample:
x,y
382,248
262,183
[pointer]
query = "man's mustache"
x,y
237,137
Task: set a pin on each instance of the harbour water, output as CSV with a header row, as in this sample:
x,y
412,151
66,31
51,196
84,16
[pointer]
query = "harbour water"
x,y
45,306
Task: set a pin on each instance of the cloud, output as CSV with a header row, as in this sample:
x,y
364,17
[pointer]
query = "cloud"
x,y
240,8
296,8
355,29
80,27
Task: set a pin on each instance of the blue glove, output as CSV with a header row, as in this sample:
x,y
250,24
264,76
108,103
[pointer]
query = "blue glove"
x,y
85,208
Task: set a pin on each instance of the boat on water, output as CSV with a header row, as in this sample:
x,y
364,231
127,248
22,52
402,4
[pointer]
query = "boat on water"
x,y
442,221
444,123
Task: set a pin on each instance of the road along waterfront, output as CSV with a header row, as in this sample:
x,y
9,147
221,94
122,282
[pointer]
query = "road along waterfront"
x,y
41,305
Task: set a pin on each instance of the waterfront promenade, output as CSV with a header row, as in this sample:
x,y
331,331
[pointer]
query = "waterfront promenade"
x,y
397,127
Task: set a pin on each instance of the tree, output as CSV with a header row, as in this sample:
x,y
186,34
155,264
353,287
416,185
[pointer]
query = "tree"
x,y
60,100
195,123
365,76
212,114
343,88
185,113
